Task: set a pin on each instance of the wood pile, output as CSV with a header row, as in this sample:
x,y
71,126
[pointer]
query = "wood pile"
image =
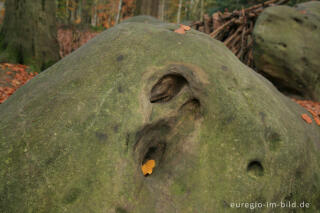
x,y
235,28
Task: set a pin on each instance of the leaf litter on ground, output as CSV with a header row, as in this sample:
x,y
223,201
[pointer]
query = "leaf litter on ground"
x,y
13,76
313,108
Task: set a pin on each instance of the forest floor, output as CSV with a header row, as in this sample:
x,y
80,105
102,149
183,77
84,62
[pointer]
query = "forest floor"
x,y
13,76
71,39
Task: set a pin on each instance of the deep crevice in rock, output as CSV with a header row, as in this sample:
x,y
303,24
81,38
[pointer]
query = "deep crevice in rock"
x,y
299,21
167,87
283,87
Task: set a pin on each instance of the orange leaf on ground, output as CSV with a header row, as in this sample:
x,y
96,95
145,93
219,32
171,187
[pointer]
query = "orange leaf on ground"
x,y
22,66
15,82
14,74
312,112
317,120
312,107
180,30
306,118
186,28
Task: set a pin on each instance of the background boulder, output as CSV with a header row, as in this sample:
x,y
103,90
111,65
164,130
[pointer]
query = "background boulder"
x,y
287,48
74,138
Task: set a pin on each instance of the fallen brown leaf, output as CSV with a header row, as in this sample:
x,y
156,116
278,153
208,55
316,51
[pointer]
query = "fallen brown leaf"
x,y
186,28
306,118
317,120
14,74
180,30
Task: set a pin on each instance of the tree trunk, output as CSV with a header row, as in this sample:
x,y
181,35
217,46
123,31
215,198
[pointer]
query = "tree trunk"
x,y
148,7
29,33
85,13
72,12
189,14
94,16
201,10
79,11
194,9
119,11
186,10
179,12
162,10
67,6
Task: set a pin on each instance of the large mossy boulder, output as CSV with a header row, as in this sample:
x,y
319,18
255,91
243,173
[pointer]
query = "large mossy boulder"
x,y
74,138
287,48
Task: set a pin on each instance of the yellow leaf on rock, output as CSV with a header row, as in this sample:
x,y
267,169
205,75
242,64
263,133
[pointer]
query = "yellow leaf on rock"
x,y
148,167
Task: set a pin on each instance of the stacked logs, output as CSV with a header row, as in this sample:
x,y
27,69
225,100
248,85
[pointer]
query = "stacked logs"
x,y
235,28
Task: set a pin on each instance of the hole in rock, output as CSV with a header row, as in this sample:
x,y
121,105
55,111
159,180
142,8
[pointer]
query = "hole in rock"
x,y
282,44
167,87
255,169
299,21
120,210
152,158
120,58
192,106
151,152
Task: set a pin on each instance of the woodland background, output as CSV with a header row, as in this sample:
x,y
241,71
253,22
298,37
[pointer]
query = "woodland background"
x,y
101,14
37,33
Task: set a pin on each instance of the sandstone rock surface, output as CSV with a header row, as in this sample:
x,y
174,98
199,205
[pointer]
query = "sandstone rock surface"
x,y
74,138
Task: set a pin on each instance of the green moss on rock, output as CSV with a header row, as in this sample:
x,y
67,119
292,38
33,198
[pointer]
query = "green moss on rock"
x,y
73,139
